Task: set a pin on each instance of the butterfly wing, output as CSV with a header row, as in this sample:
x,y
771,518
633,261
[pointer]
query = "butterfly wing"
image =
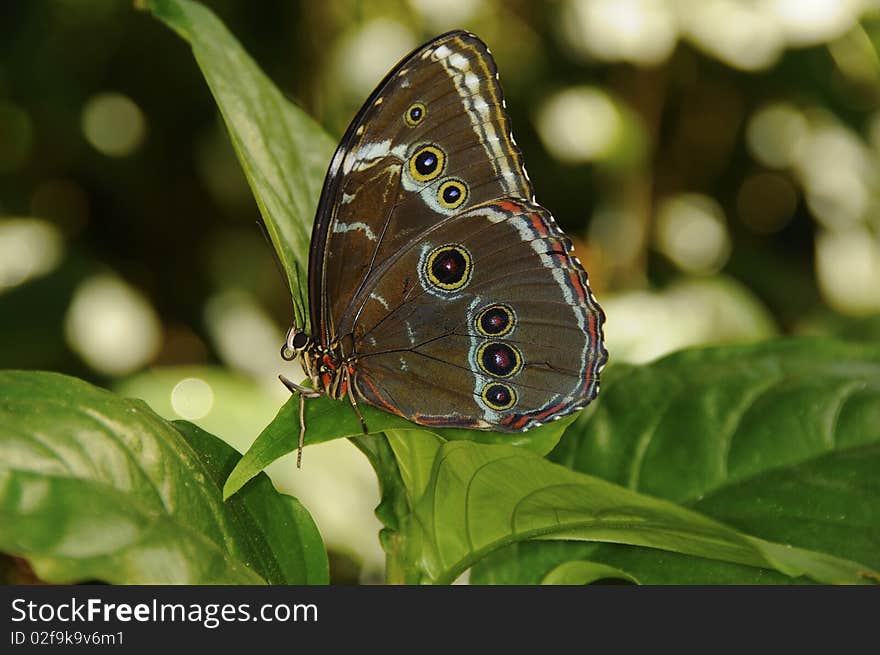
x,y
430,142
488,313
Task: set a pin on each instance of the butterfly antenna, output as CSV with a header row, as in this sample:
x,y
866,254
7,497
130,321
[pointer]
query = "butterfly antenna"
x,y
296,298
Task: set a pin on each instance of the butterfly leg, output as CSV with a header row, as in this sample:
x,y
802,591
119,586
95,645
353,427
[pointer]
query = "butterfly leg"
x,y
303,393
357,410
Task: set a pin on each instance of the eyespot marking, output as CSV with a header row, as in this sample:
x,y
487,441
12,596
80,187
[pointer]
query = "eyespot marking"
x,y
452,193
499,359
448,267
498,396
495,321
427,163
415,114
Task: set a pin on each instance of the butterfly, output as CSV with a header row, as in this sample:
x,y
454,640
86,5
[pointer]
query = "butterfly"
x,y
438,289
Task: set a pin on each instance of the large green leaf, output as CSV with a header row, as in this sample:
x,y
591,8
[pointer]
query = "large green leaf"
x,y
780,440
93,486
481,497
284,153
329,419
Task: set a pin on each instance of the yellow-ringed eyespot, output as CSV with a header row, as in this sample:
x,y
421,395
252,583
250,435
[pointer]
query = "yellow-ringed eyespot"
x,y
415,114
448,267
495,321
498,396
452,193
499,359
427,163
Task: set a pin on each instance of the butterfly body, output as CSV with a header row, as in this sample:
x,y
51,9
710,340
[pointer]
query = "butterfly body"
x,y
439,290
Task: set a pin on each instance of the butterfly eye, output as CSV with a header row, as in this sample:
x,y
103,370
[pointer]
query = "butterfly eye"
x,y
415,114
495,321
427,163
448,267
498,396
452,193
499,359
299,341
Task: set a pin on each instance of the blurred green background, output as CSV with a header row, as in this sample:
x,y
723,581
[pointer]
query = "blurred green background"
x,y
715,161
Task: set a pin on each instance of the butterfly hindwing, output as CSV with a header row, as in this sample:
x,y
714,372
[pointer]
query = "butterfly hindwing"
x,y
490,316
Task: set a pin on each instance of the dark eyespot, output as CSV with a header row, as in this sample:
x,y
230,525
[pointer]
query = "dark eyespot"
x,y
499,359
427,163
415,114
299,340
452,193
495,321
448,267
498,396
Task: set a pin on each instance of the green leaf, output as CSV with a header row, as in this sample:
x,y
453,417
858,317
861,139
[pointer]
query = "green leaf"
x,y
394,510
284,153
581,572
482,497
286,527
328,419
414,451
96,487
780,440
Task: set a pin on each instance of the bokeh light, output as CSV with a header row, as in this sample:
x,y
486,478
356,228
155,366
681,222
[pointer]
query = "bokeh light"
x,y
692,232
774,134
639,31
112,326
192,398
644,325
444,15
835,170
579,124
808,22
244,335
365,54
29,248
113,124
737,33
848,268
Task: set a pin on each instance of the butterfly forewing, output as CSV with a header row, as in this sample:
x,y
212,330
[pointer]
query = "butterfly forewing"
x,y
431,141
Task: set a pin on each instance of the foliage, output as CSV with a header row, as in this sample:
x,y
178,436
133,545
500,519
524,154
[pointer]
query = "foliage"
x,y
96,487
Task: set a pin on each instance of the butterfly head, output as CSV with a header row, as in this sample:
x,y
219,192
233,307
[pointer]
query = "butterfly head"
x,y
296,343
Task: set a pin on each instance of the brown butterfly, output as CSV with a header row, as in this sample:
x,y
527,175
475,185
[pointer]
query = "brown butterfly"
x,y
439,290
